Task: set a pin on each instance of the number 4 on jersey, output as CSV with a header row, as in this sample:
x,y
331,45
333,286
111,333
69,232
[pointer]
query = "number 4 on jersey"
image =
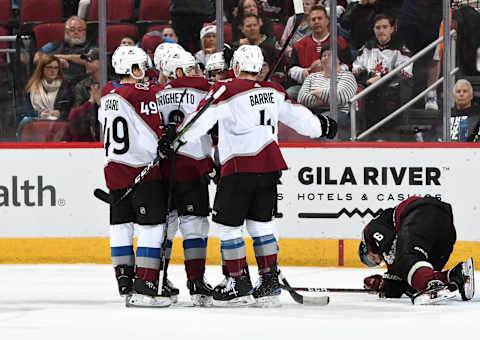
x,y
269,121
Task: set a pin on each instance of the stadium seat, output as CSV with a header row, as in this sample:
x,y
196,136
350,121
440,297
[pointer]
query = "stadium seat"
x,y
154,10
278,30
116,32
5,11
43,131
40,11
49,32
117,10
227,34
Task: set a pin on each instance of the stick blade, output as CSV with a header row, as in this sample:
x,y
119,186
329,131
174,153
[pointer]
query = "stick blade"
x,y
315,300
102,196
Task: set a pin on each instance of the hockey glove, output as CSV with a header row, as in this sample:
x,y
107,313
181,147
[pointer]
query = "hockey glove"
x,y
165,147
329,126
389,285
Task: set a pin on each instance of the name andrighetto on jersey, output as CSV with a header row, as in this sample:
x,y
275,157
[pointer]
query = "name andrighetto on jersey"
x,y
111,104
262,98
175,98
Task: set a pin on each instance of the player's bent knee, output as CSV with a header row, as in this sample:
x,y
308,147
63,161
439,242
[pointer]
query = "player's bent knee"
x,y
150,235
121,235
194,227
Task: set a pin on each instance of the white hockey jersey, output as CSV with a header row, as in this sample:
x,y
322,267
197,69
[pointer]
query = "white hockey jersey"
x,y
248,114
131,127
179,98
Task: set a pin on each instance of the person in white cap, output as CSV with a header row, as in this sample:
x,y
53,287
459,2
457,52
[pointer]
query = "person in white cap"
x,y
208,38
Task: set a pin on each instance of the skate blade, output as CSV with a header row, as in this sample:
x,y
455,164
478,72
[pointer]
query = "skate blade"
x,y
430,299
242,301
145,301
268,302
200,300
174,299
469,286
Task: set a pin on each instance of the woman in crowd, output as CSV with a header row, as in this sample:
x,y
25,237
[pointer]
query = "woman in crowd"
x,y
208,39
303,30
49,96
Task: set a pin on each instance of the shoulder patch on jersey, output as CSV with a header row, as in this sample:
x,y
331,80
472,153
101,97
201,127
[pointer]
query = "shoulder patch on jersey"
x,y
142,86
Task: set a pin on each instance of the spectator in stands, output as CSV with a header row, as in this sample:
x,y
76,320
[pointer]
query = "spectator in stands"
x,y
303,29
70,49
127,40
169,33
188,17
358,20
208,38
465,117
49,96
306,52
82,89
315,92
247,7
418,25
82,120
378,57
251,31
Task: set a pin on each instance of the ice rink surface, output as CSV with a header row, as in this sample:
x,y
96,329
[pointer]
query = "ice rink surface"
x,y
81,302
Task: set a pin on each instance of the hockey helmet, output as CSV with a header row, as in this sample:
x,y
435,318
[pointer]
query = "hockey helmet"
x,y
377,237
125,57
178,60
162,50
249,58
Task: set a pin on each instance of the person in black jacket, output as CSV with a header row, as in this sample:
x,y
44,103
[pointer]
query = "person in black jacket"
x,y
465,117
188,17
415,239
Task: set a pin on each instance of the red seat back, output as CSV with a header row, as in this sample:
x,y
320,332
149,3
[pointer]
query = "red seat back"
x,y
43,131
5,11
49,32
278,30
227,34
117,10
40,11
154,10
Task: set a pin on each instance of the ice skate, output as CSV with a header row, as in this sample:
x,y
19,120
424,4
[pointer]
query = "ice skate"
x,y
462,276
170,291
124,275
435,292
267,290
145,295
200,292
236,292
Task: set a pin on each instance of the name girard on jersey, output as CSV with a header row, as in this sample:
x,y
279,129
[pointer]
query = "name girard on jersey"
x,y
262,98
111,104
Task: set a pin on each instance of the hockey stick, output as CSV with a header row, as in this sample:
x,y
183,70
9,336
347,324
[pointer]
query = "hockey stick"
x,y
333,290
107,198
298,298
298,5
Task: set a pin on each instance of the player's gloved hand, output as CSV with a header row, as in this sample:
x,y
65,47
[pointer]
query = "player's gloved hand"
x,y
165,147
373,282
329,126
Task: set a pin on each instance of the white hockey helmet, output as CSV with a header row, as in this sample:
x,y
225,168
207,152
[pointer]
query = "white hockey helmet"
x,y
125,57
216,62
249,58
178,60
162,50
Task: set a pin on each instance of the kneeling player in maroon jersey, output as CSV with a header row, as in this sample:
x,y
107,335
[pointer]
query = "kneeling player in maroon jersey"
x,y
415,240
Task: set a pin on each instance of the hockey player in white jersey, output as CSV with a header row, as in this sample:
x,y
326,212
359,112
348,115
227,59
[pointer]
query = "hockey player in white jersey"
x,y
161,55
193,162
132,126
248,113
